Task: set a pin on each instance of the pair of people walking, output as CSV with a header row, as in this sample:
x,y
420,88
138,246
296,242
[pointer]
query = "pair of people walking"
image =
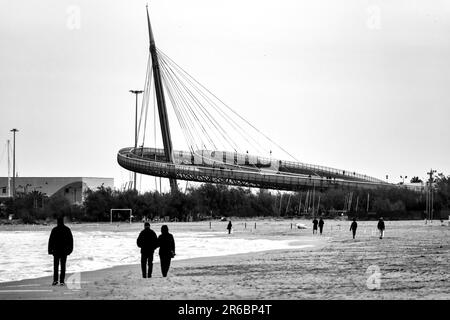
x,y
320,223
380,227
149,242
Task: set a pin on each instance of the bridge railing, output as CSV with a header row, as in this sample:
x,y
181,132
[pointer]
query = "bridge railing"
x,y
241,159
322,170
231,176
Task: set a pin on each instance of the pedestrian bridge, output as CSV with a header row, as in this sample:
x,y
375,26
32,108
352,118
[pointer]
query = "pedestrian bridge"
x,y
241,170
210,127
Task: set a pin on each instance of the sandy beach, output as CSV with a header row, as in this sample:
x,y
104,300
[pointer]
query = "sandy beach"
x,y
411,262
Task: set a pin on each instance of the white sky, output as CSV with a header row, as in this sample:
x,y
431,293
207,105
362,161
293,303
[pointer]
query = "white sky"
x,y
357,85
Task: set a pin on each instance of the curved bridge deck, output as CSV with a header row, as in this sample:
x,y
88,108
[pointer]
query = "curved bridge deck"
x,y
141,161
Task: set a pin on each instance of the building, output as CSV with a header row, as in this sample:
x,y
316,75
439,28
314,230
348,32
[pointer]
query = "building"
x,y
72,188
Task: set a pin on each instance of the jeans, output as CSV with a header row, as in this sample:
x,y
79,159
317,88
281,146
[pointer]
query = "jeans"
x,y
147,259
165,265
56,260
354,233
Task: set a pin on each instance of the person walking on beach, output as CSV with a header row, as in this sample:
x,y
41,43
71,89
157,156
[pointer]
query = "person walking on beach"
x,y
60,245
353,227
166,245
381,227
229,227
315,222
321,223
148,242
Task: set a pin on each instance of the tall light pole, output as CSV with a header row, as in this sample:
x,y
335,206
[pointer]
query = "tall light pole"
x,y
14,161
136,92
430,196
9,169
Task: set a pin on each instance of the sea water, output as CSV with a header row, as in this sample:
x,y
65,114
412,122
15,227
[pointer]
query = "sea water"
x,y
23,254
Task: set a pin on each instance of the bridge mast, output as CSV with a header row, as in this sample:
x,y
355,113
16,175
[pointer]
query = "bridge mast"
x,y
162,110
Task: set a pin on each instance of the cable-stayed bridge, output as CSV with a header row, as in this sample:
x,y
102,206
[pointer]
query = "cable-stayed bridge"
x,y
223,146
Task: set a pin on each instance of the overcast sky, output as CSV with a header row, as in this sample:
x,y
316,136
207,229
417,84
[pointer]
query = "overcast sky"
x,y
357,85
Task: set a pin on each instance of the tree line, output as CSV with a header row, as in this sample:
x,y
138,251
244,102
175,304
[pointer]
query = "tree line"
x,y
213,201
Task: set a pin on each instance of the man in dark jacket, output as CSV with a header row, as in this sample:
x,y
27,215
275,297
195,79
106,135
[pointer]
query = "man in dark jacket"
x,y
315,222
148,242
321,223
353,227
166,249
229,226
60,245
381,227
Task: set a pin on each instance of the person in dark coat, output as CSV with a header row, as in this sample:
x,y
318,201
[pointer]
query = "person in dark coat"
x,y
166,249
353,227
315,222
148,242
60,245
229,227
381,227
321,223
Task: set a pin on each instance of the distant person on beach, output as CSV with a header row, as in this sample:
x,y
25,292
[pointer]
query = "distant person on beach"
x,y
166,245
381,227
60,245
321,223
315,222
148,242
229,227
353,227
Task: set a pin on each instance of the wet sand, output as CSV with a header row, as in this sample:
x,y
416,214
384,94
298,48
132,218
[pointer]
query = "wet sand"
x,y
411,262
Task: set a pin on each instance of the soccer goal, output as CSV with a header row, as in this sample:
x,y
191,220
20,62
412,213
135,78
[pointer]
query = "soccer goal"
x,y
120,210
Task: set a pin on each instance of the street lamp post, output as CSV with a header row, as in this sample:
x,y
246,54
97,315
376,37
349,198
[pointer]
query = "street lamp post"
x,y
136,92
14,161
429,205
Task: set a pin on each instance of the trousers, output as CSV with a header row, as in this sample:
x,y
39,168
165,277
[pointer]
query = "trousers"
x,y
147,259
56,260
165,265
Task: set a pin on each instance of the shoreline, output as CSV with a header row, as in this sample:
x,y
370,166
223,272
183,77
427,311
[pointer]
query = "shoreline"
x,y
40,287
293,245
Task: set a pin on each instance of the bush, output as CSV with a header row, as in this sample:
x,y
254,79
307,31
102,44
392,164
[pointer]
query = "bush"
x,y
25,216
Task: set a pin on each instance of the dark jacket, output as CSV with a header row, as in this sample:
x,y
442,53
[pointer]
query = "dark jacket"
x,y
166,245
353,226
321,223
381,225
229,226
315,222
61,241
147,241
